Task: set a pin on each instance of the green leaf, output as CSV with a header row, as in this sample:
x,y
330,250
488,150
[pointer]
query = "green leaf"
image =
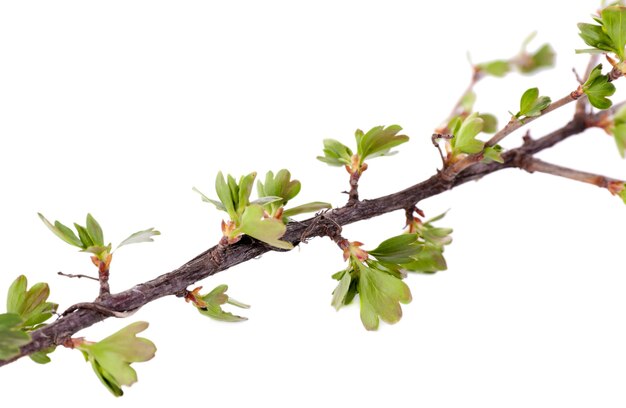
x,y
490,122
614,20
336,153
11,337
41,357
214,301
30,305
493,154
245,189
280,185
594,36
497,68
95,231
268,230
206,199
432,235
429,260
306,208
17,293
140,236
111,357
341,291
380,297
464,140
397,250
83,235
531,104
62,232
543,58
598,88
224,194
378,141
619,133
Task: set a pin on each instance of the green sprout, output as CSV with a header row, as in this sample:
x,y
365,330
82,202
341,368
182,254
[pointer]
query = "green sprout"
x,y
261,219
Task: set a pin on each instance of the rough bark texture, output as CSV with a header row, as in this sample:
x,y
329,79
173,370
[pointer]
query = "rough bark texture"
x,y
220,258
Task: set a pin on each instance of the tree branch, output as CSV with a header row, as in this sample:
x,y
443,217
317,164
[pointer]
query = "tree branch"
x,y
220,258
450,172
535,165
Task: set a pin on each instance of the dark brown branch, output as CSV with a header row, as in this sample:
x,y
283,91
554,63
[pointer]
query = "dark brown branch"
x,y
220,258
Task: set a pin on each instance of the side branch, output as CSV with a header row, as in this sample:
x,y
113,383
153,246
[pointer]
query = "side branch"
x,y
541,166
220,258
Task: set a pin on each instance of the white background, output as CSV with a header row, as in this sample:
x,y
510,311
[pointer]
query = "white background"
x,y
118,108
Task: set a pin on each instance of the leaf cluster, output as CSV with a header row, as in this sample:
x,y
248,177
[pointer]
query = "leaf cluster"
x,y
261,218
111,357
378,141
609,35
27,310
464,132
525,62
531,104
210,305
90,238
282,186
376,275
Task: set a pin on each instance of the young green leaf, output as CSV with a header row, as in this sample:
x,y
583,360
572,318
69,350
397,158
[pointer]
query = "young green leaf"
x,y
268,230
490,122
380,296
280,186
400,249
225,195
493,154
111,357
62,232
378,141
95,231
41,357
531,104
464,140
543,58
614,24
30,305
341,291
213,305
336,153
497,68
598,88
140,236
594,36
83,235
429,260
245,189
206,199
11,335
